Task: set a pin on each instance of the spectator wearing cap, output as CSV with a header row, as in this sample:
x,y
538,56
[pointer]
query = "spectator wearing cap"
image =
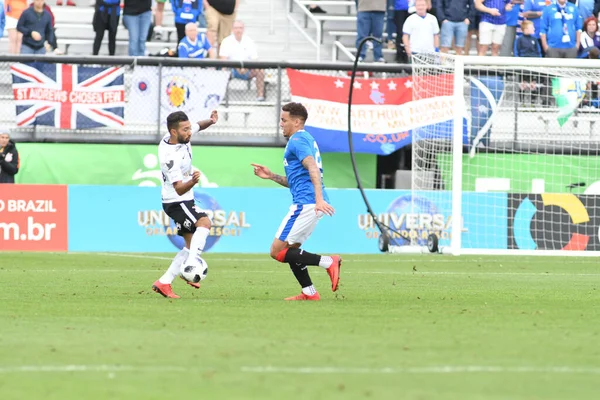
x,y
9,158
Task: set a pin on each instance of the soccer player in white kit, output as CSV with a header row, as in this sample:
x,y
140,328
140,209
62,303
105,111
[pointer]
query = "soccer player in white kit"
x,y
304,176
178,180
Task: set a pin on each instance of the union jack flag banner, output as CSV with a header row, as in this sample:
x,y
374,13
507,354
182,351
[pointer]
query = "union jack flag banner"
x,y
68,96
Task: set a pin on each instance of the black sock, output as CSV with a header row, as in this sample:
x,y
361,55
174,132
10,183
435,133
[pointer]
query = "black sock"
x,y
300,256
301,273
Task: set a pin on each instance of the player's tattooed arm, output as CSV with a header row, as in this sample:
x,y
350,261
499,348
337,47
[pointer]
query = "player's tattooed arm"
x,y
315,175
265,173
205,123
282,180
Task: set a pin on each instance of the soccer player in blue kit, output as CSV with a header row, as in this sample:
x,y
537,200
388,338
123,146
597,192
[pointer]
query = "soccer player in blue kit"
x,y
304,177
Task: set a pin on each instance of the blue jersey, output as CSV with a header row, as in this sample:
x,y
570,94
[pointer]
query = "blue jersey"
x,y
187,49
300,146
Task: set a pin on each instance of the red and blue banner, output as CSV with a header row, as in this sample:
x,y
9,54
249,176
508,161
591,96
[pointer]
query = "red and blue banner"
x,y
387,114
68,96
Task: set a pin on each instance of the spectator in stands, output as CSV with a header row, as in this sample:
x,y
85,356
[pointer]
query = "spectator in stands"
x,y
533,11
400,15
220,15
473,33
14,9
369,21
456,15
106,18
240,47
35,24
512,24
2,19
185,11
53,42
9,158
587,8
561,30
390,25
493,24
527,45
421,30
137,18
194,45
159,12
589,37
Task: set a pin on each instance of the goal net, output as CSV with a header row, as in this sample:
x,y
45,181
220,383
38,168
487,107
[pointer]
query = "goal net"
x,y
518,170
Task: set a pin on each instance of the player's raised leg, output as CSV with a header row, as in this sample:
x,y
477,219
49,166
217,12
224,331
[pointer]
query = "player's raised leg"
x,y
163,284
197,241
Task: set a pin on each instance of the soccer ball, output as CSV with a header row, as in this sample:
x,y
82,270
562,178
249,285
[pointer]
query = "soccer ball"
x,y
193,273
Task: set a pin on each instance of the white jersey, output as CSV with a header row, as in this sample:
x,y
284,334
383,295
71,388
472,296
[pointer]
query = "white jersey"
x,y
176,165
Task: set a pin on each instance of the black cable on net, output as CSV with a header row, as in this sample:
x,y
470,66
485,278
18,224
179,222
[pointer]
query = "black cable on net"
x,y
384,237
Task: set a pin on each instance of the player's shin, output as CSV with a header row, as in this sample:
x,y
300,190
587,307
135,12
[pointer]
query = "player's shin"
x,y
302,276
294,255
174,268
197,246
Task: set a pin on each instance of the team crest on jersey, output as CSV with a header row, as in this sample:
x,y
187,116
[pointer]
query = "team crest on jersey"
x,y
170,164
285,163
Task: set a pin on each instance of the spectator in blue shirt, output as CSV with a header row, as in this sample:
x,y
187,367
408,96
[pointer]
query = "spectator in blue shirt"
x,y
512,23
194,45
560,30
587,8
185,11
493,24
455,16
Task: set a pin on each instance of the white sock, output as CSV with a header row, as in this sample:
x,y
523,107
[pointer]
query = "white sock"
x,y
309,290
197,246
325,262
174,268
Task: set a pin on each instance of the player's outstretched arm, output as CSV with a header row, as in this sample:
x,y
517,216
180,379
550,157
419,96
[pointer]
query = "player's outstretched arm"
x,y
205,123
265,173
315,177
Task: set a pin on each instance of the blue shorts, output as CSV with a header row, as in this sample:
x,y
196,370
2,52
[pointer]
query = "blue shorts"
x,y
235,73
456,30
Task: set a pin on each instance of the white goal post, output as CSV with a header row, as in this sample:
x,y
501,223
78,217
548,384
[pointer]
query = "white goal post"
x,y
517,170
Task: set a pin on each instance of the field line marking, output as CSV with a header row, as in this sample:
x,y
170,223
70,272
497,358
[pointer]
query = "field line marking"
x,y
442,369
445,369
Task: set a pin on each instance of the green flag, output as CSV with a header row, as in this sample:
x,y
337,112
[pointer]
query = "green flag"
x,y
568,94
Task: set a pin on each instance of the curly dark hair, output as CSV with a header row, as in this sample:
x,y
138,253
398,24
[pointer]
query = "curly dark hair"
x,y
296,110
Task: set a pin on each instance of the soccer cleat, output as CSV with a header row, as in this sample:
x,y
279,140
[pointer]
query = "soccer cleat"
x,y
303,296
192,284
334,272
164,289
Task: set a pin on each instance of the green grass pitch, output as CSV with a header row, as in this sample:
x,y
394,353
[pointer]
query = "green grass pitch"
x,y
88,326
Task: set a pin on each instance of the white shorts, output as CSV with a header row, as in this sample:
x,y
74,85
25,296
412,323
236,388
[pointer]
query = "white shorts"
x,y
298,224
11,23
490,33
